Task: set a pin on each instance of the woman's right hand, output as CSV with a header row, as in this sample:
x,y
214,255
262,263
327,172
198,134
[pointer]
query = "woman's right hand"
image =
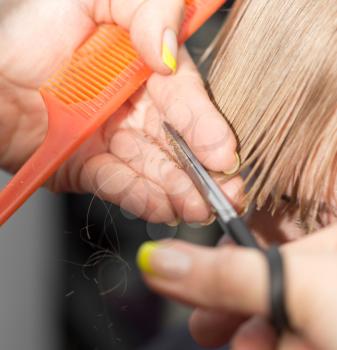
x,y
225,283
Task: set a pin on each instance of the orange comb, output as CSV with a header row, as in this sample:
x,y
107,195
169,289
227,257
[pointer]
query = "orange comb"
x,y
102,74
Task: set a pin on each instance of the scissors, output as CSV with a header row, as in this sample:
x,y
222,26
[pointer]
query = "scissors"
x,y
232,224
226,215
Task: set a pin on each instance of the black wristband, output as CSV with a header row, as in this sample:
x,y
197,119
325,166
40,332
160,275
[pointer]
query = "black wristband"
x,y
279,316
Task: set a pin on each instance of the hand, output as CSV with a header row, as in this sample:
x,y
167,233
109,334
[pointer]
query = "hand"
x,y
128,160
229,285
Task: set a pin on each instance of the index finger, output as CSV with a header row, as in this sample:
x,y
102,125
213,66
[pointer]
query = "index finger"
x,y
185,104
208,278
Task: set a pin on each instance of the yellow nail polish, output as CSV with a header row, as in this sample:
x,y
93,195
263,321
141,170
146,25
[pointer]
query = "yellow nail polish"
x,y
162,260
144,255
169,59
170,49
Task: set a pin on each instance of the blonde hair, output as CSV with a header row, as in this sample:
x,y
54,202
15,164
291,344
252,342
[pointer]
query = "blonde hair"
x,y
275,80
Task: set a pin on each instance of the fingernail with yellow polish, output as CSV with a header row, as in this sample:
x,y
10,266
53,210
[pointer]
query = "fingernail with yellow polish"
x,y
162,260
236,167
170,49
144,255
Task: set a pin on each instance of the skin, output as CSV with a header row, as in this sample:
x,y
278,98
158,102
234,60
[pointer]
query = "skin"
x,y
128,161
130,153
228,289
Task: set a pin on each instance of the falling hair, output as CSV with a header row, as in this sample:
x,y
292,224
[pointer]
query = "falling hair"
x,y
274,78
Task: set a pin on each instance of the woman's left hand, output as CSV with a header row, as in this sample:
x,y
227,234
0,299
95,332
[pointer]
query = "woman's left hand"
x,y
128,161
228,287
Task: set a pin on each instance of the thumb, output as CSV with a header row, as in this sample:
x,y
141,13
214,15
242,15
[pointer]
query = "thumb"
x,y
153,25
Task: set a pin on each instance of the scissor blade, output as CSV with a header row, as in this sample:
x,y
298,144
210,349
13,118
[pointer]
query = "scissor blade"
x,y
200,177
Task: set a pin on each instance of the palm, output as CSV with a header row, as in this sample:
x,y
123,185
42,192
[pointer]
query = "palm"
x,y
129,152
30,52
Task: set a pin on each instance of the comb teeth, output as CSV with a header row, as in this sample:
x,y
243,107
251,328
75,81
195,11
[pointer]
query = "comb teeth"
x,y
102,66
96,71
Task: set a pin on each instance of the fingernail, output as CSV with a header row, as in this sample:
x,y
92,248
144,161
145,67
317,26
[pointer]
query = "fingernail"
x,y
170,49
236,167
174,223
161,260
209,221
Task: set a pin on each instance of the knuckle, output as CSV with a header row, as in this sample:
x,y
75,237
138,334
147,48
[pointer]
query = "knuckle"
x,y
118,13
176,183
126,147
138,37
